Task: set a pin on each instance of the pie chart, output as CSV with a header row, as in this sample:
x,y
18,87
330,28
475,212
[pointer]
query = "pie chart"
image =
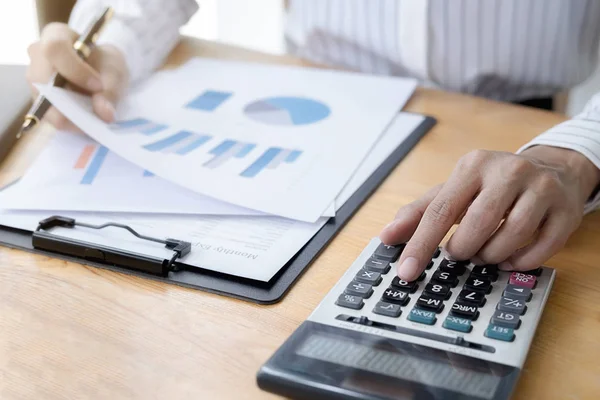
x,y
287,111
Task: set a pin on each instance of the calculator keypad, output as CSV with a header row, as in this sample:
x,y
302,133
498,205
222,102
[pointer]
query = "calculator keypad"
x,y
425,297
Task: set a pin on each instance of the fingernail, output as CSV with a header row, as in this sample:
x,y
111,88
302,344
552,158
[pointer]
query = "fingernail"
x,y
109,108
505,266
409,269
477,261
94,84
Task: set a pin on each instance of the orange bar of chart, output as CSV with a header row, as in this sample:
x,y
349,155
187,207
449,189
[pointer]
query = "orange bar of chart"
x,y
85,156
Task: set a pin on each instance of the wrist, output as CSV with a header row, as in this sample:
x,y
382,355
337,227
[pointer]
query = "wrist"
x,y
578,166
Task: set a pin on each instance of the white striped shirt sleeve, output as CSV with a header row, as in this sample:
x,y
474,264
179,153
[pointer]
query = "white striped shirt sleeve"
x,y
144,30
582,134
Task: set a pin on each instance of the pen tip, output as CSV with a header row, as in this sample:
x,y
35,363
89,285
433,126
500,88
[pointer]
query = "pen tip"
x,y
27,125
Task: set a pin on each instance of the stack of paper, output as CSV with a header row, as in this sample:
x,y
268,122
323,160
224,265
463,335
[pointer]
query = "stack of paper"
x,y
246,161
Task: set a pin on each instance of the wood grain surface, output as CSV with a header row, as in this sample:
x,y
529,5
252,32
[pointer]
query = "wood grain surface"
x,y
69,331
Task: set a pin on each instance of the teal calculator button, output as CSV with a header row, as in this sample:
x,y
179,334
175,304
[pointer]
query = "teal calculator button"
x,y
458,324
500,333
422,316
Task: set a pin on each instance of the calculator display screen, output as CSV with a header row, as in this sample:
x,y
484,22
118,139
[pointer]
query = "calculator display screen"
x,y
373,367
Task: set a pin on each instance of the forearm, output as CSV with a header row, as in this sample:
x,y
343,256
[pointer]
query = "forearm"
x,y
144,31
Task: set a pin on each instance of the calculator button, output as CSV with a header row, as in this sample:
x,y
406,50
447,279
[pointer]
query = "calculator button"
x,y
512,305
456,267
359,289
429,265
471,298
457,324
389,253
393,295
422,316
478,283
521,279
387,309
505,319
465,311
400,284
517,292
370,277
489,271
500,333
438,290
349,301
447,278
437,252
376,265
430,303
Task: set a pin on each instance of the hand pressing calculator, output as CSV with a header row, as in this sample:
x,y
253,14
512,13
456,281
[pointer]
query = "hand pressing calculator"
x,y
458,332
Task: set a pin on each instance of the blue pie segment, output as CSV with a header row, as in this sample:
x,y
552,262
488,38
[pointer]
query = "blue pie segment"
x,y
287,111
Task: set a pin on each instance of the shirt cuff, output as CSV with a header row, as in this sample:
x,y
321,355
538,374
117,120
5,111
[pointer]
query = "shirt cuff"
x,y
580,135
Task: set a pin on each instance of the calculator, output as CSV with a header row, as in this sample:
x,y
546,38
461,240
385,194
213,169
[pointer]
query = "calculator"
x,y
459,331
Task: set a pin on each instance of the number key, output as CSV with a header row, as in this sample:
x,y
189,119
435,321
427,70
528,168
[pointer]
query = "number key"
x,y
400,284
476,283
456,267
489,271
438,290
471,298
444,277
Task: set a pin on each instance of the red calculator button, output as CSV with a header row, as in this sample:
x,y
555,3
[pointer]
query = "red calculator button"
x,y
521,279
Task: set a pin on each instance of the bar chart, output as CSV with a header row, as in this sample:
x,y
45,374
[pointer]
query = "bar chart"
x,y
210,100
227,150
271,159
180,143
91,159
138,125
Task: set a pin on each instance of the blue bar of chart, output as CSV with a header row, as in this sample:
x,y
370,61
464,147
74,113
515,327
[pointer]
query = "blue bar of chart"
x,y
210,100
271,159
227,150
138,125
94,166
181,143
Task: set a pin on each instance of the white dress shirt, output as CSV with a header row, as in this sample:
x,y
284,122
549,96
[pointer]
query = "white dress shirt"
x,y
502,49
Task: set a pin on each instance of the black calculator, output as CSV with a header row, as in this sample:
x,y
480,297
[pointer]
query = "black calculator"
x,y
460,331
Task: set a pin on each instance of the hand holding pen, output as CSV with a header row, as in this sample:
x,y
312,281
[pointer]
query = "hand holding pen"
x,y
63,58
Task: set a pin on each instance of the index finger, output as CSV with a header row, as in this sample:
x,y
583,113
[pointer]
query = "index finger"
x,y
443,211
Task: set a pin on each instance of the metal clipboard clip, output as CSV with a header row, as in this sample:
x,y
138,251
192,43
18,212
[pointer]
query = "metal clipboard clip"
x,y
44,240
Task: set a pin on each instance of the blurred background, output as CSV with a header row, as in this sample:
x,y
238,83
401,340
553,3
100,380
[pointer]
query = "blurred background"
x,y
256,24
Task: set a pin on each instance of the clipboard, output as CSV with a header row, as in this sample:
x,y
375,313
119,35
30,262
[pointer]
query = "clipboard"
x,y
170,271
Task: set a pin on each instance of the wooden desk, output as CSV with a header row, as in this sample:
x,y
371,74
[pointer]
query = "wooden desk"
x,y
69,331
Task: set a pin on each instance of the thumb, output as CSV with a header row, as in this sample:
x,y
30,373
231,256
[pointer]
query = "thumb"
x,y
407,219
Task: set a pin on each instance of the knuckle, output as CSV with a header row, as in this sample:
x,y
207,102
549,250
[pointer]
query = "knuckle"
x,y
489,257
516,167
474,159
458,252
52,47
548,183
440,211
519,225
32,49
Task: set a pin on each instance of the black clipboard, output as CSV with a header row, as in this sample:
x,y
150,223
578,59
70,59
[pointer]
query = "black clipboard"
x,y
223,284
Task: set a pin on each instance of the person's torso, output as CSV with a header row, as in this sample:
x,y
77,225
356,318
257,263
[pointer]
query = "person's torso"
x,y
503,49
